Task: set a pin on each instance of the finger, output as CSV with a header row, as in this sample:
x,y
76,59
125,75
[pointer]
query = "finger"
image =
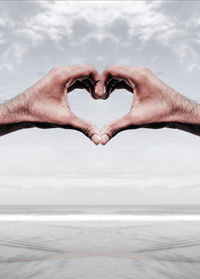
x,y
78,85
116,84
86,127
119,72
68,76
77,72
121,85
89,76
113,74
92,85
110,87
113,128
102,91
95,85
84,84
99,89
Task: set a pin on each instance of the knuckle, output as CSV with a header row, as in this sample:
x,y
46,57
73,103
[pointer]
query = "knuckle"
x,y
85,65
109,68
86,70
142,73
129,116
131,71
57,74
54,69
68,117
113,129
144,70
88,67
87,129
91,67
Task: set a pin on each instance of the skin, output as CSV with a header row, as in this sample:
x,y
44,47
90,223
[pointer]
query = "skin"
x,y
155,104
45,104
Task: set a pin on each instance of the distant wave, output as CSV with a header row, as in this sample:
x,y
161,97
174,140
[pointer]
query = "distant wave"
x,y
97,217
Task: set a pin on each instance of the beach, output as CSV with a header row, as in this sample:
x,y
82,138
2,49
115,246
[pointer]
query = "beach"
x,y
99,249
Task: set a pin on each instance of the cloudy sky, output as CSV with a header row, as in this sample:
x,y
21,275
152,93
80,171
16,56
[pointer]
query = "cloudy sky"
x,y
136,167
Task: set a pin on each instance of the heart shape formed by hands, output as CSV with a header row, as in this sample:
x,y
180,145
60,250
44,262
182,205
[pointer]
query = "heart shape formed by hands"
x,y
154,102
48,104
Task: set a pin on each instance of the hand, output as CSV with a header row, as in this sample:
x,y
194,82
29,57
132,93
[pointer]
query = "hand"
x,y
155,105
45,104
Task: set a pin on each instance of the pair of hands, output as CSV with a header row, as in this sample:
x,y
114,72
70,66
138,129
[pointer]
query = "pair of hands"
x,y
45,104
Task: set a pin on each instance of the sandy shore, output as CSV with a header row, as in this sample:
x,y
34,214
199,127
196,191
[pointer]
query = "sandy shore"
x,y
108,250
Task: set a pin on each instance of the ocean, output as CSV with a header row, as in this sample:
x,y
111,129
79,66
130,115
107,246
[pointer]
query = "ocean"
x,y
90,242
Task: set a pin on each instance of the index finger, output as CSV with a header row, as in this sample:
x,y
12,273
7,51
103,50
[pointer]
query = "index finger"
x,y
84,71
112,75
68,76
90,77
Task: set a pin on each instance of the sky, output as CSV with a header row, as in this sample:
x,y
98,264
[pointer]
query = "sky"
x,y
58,166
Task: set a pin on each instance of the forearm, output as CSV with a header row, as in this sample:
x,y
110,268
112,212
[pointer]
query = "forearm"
x,y
178,113
185,115
15,111
14,115
17,114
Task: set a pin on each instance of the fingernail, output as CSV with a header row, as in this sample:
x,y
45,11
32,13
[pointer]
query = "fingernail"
x,y
99,89
96,139
104,139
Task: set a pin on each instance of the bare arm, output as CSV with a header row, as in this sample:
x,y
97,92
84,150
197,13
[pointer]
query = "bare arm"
x,y
155,104
14,115
45,104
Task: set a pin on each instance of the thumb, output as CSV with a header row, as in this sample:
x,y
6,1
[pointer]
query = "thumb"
x,y
86,127
113,128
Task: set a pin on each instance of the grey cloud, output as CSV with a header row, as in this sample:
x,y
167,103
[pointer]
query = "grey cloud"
x,y
117,33
186,10
18,9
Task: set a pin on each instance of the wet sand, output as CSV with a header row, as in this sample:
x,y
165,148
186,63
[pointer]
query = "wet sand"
x,y
100,250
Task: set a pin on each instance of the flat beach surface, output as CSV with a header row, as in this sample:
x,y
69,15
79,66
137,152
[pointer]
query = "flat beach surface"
x,y
109,250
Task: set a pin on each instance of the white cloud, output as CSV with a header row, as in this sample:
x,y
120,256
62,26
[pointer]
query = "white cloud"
x,y
145,20
58,18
